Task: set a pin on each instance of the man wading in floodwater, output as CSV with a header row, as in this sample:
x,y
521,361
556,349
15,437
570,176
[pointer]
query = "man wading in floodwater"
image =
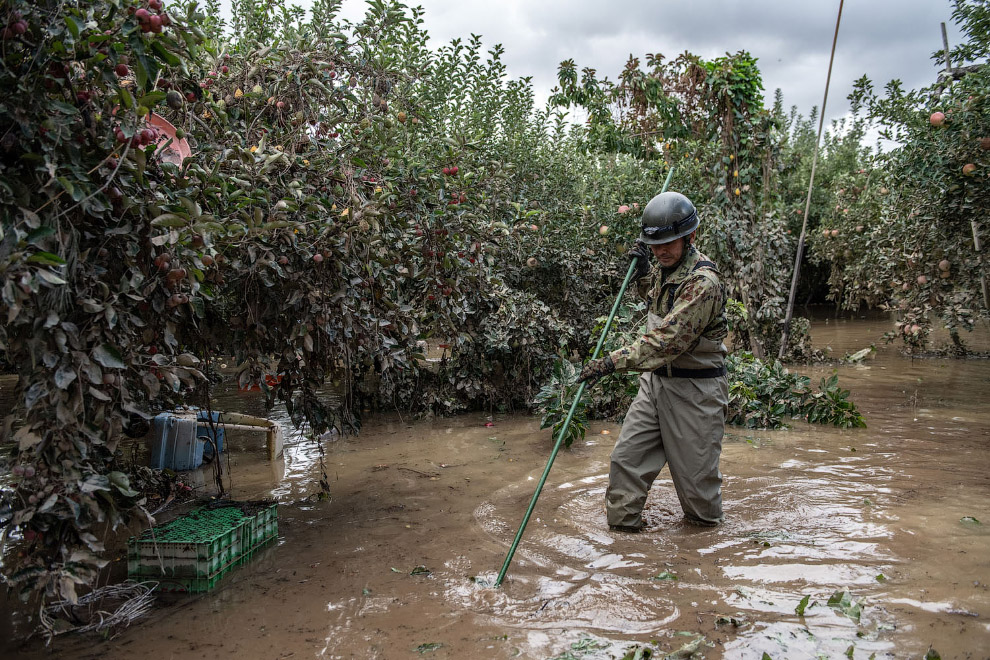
x,y
678,416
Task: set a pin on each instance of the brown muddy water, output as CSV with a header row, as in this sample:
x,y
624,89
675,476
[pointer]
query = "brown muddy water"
x,y
810,511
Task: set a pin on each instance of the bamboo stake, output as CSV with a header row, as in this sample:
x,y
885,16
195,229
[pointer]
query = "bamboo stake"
x,y
807,202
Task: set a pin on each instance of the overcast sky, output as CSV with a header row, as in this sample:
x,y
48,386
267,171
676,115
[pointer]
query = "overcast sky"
x,y
884,39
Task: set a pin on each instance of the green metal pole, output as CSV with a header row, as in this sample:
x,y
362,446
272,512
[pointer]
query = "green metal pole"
x,y
570,415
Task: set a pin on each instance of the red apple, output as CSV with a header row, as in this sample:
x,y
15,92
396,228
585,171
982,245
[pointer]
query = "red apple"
x,y
121,70
318,258
937,119
969,168
944,265
922,279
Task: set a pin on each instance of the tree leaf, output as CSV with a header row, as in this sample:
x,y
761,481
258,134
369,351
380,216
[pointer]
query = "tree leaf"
x,y
94,482
38,234
664,575
97,394
64,376
170,220
50,277
151,383
73,26
151,98
109,357
45,258
26,439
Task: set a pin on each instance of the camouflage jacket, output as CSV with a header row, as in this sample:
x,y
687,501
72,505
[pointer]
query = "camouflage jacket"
x,y
686,307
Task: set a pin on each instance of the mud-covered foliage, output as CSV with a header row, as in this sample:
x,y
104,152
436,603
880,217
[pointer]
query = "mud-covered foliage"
x,y
348,193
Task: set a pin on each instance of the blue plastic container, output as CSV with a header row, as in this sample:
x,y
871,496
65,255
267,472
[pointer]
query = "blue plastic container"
x,y
175,445
204,429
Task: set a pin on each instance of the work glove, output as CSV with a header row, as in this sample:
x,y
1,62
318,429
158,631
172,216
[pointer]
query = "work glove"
x,y
595,370
641,252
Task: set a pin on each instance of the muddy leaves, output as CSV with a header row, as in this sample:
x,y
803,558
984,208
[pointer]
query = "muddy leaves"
x,y
428,647
842,601
664,576
586,647
417,570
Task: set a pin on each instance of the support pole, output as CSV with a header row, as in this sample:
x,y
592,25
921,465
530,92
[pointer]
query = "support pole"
x,y
807,202
570,414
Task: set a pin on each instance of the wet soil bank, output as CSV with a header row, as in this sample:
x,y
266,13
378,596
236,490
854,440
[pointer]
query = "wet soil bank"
x,y
881,512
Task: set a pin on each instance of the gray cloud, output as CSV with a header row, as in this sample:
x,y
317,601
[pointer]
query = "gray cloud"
x,y
883,39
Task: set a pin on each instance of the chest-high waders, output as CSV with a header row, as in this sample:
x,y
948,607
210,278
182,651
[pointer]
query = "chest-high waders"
x,y
677,419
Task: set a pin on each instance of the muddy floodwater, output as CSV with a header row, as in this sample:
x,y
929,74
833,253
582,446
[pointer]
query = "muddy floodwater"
x,y
398,563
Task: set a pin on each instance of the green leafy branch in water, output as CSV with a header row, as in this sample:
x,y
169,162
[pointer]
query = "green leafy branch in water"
x,y
554,401
610,398
763,393
582,648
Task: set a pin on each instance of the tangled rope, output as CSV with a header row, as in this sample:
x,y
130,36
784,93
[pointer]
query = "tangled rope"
x,y
92,613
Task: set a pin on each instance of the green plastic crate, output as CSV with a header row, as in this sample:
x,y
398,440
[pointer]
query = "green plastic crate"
x,y
194,552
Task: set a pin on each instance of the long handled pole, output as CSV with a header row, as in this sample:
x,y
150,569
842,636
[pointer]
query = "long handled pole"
x,y
570,414
807,202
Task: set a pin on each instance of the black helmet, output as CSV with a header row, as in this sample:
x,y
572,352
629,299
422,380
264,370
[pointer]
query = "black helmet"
x,y
667,217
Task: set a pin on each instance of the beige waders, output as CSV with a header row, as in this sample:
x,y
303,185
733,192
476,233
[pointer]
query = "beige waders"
x,y
675,421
